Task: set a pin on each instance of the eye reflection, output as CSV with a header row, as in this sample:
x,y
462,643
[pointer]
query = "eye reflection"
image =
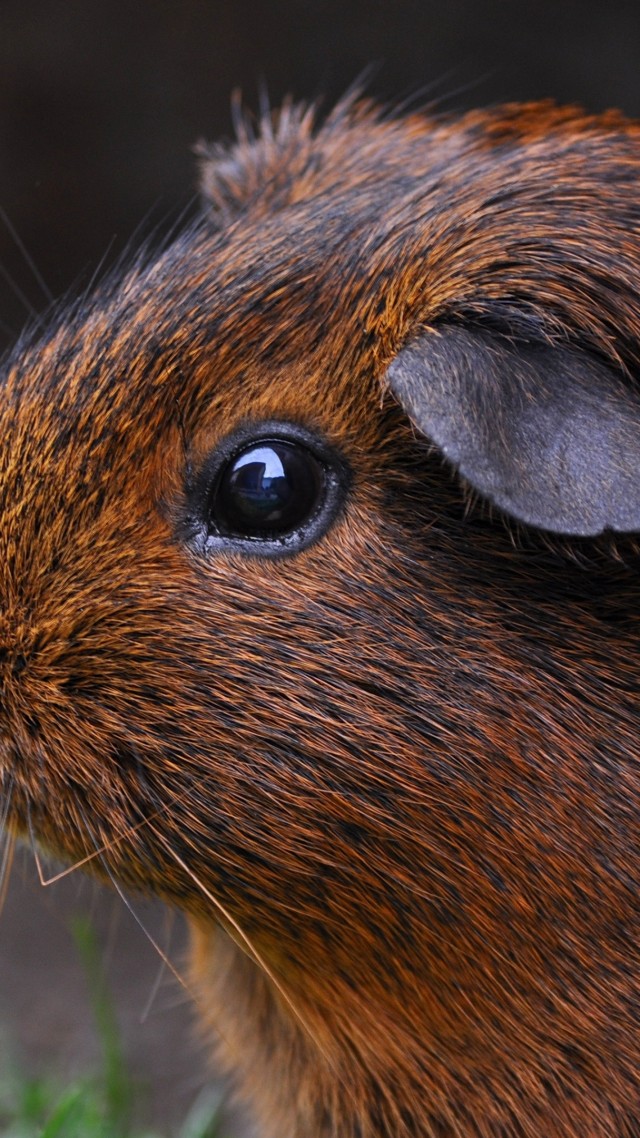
x,y
260,477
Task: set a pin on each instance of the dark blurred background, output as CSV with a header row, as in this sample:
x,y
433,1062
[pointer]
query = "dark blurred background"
x,y
101,100
100,104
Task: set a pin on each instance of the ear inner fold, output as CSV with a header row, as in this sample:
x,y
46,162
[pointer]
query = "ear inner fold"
x,y
548,434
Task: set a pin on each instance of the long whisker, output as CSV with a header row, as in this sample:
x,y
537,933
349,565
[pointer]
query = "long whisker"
x,y
166,962
241,938
101,849
7,850
17,291
155,987
244,942
27,256
4,814
7,847
123,897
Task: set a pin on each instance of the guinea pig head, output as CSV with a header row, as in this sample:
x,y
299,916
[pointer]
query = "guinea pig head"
x,y
319,611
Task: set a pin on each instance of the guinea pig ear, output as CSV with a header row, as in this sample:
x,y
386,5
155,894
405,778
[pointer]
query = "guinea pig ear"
x,y
547,433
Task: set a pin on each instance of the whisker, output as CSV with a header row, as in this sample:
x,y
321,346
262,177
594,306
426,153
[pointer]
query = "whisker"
x,y
17,291
155,987
165,961
230,923
4,814
4,217
244,942
246,945
128,905
7,847
101,849
7,850
34,848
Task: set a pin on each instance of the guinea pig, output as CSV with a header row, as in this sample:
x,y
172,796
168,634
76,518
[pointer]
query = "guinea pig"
x,y
320,612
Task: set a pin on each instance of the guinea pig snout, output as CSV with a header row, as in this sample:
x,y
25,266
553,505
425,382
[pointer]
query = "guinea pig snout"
x,y
65,680
34,697
21,644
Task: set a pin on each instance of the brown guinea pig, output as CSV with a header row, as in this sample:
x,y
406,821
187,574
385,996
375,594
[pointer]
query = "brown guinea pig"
x,y
320,596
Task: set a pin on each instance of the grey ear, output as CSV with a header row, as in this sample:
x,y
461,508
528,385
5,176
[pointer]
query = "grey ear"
x,y
548,434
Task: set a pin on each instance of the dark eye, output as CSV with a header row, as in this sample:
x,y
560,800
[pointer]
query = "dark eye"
x,y
268,490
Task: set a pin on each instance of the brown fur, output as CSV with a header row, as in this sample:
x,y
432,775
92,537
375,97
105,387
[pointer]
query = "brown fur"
x,y
404,761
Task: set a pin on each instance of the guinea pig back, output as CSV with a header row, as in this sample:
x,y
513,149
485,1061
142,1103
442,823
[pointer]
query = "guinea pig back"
x,y
319,614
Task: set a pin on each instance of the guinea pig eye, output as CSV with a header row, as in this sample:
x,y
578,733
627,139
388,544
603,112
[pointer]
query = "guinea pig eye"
x,y
268,490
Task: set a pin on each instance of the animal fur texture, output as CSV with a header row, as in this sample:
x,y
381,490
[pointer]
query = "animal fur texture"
x,y
392,776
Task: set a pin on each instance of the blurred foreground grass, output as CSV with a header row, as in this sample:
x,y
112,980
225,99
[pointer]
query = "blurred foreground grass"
x,y
93,1106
